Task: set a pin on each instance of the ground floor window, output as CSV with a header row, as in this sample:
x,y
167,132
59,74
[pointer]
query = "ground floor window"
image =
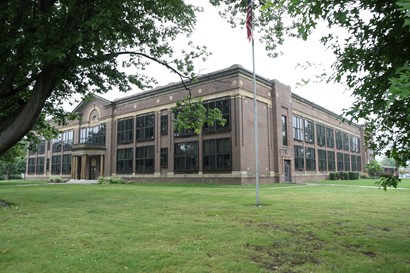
x,y
124,160
31,166
145,159
56,164
310,159
356,163
299,158
40,165
322,160
66,164
186,156
346,162
217,154
331,164
164,157
339,162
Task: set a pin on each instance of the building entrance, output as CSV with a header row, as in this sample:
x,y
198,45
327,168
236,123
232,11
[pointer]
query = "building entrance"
x,y
288,175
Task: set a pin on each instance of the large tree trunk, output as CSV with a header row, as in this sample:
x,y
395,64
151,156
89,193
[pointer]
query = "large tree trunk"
x,y
16,125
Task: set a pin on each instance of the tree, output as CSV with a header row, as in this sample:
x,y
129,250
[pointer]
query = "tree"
x,y
373,168
52,49
14,160
371,42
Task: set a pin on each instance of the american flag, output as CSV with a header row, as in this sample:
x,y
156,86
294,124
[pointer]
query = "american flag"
x,y
249,20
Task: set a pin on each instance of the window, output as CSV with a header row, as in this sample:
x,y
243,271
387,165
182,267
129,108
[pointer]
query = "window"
x,y
217,154
41,148
56,164
66,164
339,142
356,163
145,159
31,166
321,135
345,141
124,160
310,159
57,144
284,131
299,158
309,131
40,165
164,158
145,127
354,144
330,139
125,130
339,162
164,125
297,128
93,136
346,162
224,106
186,156
322,160
331,164
68,140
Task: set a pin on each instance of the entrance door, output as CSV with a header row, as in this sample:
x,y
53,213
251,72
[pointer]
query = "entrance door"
x,y
288,177
94,167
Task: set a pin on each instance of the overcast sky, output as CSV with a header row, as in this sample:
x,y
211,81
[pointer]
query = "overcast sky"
x,y
230,46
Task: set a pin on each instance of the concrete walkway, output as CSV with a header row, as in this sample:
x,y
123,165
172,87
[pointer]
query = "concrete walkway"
x,y
82,181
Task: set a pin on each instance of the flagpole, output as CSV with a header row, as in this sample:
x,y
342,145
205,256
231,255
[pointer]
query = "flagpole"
x,y
255,108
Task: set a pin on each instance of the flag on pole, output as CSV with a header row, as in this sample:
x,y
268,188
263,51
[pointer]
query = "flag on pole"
x,y
249,20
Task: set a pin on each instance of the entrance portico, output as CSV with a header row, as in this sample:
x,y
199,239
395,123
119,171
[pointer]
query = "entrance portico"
x,y
87,161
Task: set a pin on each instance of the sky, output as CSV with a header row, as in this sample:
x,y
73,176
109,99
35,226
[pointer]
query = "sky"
x,y
230,46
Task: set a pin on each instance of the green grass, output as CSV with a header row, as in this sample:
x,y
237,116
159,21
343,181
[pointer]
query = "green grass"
x,y
405,182
186,228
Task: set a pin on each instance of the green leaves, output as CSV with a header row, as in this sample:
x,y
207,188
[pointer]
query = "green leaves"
x,y
191,115
388,181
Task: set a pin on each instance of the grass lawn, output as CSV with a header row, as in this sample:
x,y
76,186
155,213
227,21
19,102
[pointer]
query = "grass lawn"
x,y
186,228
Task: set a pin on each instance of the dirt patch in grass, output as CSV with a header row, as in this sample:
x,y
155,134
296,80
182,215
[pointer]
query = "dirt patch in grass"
x,y
4,204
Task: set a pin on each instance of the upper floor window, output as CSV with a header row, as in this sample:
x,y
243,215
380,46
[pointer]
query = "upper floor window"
x,y
68,140
145,127
125,130
309,131
297,128
354,144
339,140
57,144
321,135
345,141
224,106
94,136
330,139
284,121
164,125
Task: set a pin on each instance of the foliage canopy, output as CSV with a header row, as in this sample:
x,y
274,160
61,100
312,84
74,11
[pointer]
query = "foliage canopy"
x,y
52,49
371,42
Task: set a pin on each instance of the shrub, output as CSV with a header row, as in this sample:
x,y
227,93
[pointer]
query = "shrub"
x,y
334,176
110,180
341,176
345,176
55,179
352,176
